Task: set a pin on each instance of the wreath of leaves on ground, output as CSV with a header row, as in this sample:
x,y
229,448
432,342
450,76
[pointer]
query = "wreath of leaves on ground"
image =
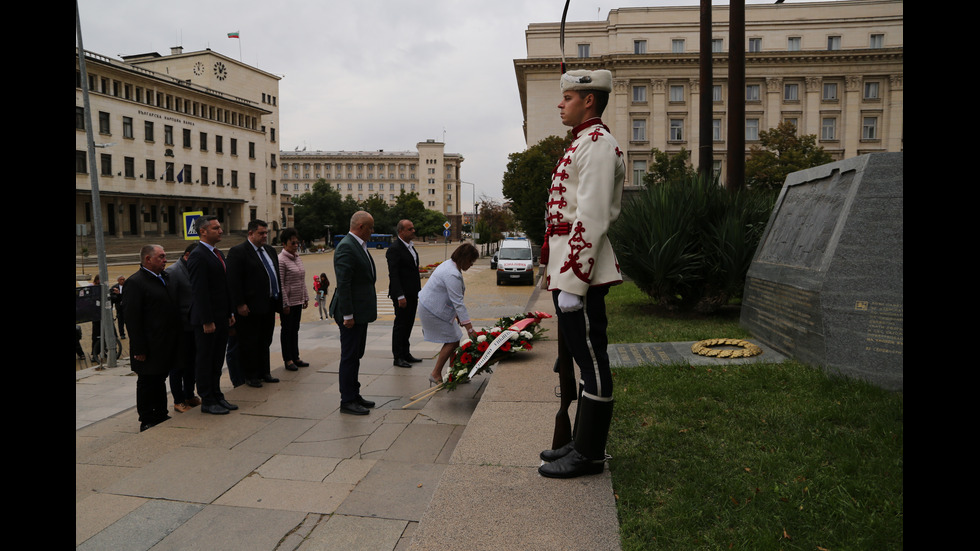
x,y
704,348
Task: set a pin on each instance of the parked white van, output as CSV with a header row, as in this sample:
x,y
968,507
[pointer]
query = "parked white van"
x,y
515,261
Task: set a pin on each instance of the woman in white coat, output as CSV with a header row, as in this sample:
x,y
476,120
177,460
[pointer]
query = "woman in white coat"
x,y
441,308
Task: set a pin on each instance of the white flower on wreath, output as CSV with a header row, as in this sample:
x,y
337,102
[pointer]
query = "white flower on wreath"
x,y
460,374
481,338
496,331
465,342
514,337
526,335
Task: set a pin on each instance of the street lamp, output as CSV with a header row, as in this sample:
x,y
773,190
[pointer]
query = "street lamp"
x,y
474,203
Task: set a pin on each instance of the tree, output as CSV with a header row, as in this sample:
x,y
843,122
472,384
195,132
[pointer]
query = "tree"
x,y
780,152
317,208
667,167
494,220
378,207
527,181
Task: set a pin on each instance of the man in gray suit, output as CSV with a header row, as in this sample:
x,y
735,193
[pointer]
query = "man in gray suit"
x,y
354,306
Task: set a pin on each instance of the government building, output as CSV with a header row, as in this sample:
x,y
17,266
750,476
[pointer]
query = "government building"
x,y
834,69
428,171
193,131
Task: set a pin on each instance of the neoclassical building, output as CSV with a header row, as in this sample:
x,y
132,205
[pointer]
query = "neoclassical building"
x,y
428,171
193,131
835,69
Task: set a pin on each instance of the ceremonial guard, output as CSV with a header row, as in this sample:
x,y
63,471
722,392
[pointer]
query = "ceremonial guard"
x,y
584,200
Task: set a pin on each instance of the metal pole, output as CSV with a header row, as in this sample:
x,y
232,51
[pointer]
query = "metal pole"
x,y
705,126
108,335
735,176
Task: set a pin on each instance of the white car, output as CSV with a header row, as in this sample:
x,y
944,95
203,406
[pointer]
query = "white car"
x,y
514,262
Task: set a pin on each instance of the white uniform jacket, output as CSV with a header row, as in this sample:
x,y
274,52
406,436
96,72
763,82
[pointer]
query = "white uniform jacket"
x,y
585,198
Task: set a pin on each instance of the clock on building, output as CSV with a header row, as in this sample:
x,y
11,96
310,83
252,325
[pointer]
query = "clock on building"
x,y
220,70
198,68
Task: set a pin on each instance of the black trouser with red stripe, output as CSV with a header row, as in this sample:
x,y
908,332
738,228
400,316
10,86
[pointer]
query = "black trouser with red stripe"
x,y
583,334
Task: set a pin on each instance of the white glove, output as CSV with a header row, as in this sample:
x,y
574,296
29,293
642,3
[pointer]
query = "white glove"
x,y
567,302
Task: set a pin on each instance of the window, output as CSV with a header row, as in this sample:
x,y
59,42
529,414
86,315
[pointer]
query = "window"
x,y
128,127
79,118
877,41
168,134
639,46
220,177
870,90
204,175
755,45
272,134
717,45
187,138
677,46
129,166
833,42
677,93
234,178
272,160
676,130
106,165
219,144
251,150
828,128
869,128
793,43
151,169
103,122
81,162
251,180
639,170
716,130
234,146
583,50
204,141
791,92
830,91
752,92
185,176
751,129
716,92
639,130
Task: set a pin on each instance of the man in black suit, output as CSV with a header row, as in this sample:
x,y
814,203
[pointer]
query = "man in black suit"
x,y
154,330
354,306
211,315
254,284
404,285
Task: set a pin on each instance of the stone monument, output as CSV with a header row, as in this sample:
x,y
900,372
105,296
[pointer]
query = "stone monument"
x,y
826,283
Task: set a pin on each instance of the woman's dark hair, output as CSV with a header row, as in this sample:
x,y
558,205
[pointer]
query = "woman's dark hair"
x,y
466,251
288,234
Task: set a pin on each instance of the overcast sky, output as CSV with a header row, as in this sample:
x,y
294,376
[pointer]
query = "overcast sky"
x,y
365,74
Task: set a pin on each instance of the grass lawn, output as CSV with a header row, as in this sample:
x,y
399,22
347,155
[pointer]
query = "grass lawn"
x,y
762,456
633,317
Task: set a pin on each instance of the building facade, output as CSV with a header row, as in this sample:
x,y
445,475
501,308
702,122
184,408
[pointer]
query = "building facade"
x,y
184,132
428,171
834,69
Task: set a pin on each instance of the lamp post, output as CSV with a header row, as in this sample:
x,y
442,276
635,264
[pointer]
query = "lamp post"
x,y
474,203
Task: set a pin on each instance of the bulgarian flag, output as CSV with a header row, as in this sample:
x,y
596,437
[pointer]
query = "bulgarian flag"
x,y
234,35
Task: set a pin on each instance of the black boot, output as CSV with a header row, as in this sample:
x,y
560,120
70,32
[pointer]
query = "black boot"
x,y
558,453
589,453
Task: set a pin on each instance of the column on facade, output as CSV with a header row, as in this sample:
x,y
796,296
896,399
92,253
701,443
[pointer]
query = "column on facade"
x,y
851,115
773,105
893,128
694,122
811,112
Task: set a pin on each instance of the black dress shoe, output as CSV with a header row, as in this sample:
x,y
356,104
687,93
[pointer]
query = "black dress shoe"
x,y
226,404
401,363
291,367
412,359
214,409
257,383
365,403
353,408
301,363
270,379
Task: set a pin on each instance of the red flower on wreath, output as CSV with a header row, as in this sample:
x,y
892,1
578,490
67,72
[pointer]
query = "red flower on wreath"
x,y
525,345
466,345
466,359
505,347
482,347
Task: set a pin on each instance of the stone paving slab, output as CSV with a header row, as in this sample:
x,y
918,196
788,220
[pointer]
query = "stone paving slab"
x,y
352,533
394,490
144,527
286,495
232,528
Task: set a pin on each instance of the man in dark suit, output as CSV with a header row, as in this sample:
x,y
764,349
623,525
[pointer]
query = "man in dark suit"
x,y
154,330
354,306
404,285
254,284
211,315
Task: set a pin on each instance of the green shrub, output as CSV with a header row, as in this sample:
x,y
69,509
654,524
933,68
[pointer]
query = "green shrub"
x,y
689,244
